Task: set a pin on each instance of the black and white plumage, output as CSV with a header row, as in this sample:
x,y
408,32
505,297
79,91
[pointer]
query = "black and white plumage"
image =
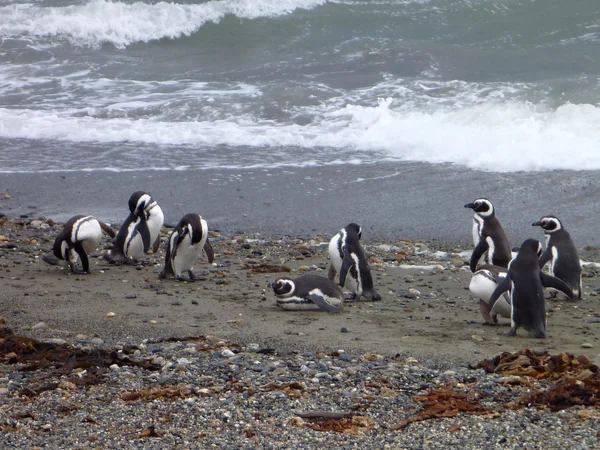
x,y
308,292
525,283
348,259
140,232
561,253
483,283
489,238
185,245
80,236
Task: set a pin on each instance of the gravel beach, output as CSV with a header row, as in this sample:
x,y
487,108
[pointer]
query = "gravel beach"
x,y
165,364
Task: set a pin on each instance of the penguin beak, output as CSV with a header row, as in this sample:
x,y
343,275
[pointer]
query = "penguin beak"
x,y
470,205
536,224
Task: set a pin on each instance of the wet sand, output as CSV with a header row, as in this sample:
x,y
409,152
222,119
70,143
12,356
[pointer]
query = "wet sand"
x,y
426,309
390,201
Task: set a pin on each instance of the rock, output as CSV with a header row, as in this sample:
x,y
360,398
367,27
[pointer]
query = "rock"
x,y
587,345
110,314
39,326
344,330
131,296
227,353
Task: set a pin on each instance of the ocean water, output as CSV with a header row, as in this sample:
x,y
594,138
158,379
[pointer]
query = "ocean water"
x,y
497,86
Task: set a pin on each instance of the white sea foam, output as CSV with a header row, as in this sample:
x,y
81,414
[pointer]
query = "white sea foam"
x,y
122,24
498,137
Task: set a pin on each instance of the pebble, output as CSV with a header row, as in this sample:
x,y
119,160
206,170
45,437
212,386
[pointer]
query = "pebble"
x,y
39,326
344,330
587,345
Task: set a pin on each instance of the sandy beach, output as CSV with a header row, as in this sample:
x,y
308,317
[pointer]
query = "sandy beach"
x,y
426,327
426,308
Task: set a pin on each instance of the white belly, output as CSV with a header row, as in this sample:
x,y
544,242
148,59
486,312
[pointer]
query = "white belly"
x,y
296,304
186,256
155,223
482,286
476,231
134,246
334,255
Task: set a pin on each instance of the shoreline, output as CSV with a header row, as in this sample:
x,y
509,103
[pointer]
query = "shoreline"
x,y
390,201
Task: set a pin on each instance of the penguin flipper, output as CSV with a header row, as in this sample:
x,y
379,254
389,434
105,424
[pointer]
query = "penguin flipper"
x,y
502,287
108,230
549,281
546,256
317,297
347,264
145,234
210,253
481,248
168,269
85,263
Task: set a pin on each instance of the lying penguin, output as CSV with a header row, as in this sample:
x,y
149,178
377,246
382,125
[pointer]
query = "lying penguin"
x,y
525,283
80,236
483,283
348,259
308,292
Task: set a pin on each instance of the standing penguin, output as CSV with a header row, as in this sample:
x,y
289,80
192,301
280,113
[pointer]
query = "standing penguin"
x,y
348,259
141,230
80,236
489,238
186,242
308,292
561,252
525,282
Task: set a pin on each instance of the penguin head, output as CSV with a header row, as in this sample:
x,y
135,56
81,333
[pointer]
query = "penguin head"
x,y
550,224
64,251
138,202
531,246
283,287
482,207
353,228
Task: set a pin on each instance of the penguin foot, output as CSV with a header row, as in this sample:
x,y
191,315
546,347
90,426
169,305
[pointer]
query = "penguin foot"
x,y
511,332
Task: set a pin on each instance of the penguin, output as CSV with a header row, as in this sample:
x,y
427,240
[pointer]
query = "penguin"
x,y
525,283
561,253
483,283
186,242
308,292
80,236
348,259
141,230
489,238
